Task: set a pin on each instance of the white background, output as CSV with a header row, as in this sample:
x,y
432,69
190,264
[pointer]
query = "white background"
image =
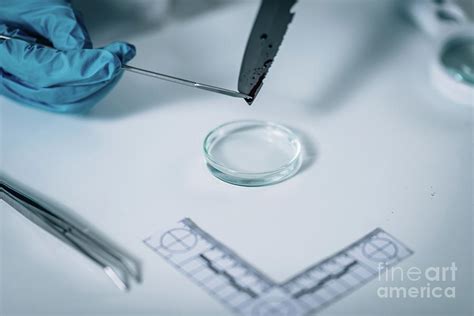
x,y
383,149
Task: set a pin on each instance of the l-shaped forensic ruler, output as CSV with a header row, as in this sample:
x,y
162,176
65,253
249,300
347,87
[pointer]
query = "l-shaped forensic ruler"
x,y
245,290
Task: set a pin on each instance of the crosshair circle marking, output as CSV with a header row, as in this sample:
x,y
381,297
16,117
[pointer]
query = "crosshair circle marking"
x,y
178,240
380,249
275,306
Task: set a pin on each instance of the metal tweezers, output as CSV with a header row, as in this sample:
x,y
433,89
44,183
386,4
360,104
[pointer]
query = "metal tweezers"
x,y
118,266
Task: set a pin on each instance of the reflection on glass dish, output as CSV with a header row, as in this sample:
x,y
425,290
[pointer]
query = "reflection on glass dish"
x,y
457,57
452,70
252,153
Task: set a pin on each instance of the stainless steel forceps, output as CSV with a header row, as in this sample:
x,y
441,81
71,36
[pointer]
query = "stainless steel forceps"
x,y
118,266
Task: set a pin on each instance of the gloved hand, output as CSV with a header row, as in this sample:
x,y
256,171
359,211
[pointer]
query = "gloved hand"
x,y
70,77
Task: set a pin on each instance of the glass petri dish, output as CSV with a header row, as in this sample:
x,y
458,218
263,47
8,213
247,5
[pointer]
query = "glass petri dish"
x,y
457,57
252,153
452,69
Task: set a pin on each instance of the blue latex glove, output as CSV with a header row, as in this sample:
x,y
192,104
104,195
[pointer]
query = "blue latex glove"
x,y
70,77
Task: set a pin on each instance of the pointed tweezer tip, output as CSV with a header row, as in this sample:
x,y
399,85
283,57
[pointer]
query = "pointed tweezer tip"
x,y
118,281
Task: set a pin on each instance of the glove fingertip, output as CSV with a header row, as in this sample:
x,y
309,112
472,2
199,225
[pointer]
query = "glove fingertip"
x,y
124,51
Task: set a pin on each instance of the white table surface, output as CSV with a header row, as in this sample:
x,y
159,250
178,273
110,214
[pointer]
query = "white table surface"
x,y
384,149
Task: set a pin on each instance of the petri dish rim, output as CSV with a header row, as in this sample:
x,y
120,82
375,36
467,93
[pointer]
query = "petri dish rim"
x,y
458,91
293,164
453,41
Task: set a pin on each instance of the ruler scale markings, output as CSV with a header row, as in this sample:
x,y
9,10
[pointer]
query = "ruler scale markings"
x,y
228,277
211,240
244,289
321,283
